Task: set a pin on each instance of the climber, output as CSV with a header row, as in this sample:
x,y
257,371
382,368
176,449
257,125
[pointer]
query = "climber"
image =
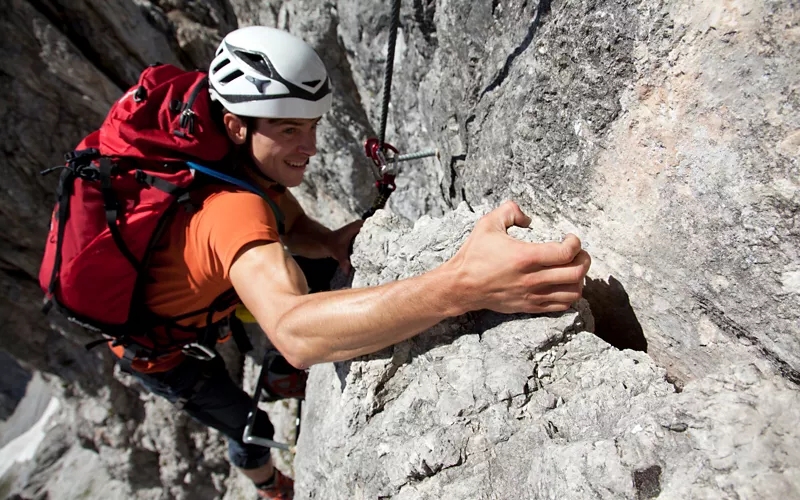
x,y
270,90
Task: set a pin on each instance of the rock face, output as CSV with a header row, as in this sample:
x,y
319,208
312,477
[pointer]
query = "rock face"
x,y
493,406
665,133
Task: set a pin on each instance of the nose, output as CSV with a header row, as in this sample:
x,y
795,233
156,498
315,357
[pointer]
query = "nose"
x,y
308,144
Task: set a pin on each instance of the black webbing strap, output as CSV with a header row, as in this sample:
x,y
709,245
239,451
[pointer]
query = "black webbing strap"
x,y
91,345
159,183
211,331
64,193
189,314
112,210
239,334
227,299
184,398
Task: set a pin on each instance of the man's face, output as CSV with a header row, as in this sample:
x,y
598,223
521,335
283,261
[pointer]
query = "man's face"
x,y
282,147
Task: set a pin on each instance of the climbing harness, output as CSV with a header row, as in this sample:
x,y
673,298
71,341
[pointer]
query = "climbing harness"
x,y
277,378
249,437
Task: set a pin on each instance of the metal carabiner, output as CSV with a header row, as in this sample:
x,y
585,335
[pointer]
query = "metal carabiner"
x,y
376,153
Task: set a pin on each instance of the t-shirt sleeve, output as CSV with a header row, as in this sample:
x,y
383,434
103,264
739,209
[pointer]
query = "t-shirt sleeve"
x,y
228,221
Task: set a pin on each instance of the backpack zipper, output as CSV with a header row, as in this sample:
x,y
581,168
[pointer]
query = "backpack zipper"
x,y
188,115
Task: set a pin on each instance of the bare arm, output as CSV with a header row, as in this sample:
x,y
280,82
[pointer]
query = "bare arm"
x,y
309,238
490,271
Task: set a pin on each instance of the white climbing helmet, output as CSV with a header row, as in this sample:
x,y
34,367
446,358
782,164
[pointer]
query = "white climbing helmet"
x,y
268,73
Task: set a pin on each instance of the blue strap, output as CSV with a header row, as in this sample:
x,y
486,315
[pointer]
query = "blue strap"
x,y
244,185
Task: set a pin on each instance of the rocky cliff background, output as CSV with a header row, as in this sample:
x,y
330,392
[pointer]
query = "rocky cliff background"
x,y
665,133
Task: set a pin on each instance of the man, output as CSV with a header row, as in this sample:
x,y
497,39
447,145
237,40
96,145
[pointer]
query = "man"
x,y
272,89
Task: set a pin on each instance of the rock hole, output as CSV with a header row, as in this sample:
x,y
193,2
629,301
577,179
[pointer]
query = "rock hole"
x,y
675,381
615,320
453,174
647,482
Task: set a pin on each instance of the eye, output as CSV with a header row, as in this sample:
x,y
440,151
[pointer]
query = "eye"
x,y
289,131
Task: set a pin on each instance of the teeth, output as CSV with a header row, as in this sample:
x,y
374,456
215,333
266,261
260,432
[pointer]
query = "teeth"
x,y
298,165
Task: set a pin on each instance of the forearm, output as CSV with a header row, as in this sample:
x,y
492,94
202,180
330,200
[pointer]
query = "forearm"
x,y
491,271
341,325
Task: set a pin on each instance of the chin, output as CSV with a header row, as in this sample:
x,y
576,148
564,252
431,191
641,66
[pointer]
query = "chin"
x,y
292,180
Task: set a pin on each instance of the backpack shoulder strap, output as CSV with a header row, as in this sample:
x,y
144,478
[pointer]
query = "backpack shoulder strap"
x,y
244,185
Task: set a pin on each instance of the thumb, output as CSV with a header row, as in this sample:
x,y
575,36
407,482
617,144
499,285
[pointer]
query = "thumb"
x,y
509,214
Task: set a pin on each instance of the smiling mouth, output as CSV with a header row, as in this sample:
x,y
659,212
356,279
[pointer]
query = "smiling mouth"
x,y
297,165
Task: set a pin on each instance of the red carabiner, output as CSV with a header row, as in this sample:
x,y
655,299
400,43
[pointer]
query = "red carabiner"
x,y
374,151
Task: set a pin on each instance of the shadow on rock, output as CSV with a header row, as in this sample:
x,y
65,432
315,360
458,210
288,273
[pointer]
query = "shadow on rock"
x,y
615,321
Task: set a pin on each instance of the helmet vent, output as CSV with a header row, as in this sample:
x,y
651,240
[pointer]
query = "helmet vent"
x,y
256,61
312,83
230,77
221,65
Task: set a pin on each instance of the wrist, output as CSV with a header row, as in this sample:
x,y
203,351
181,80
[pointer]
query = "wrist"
x,y
453,289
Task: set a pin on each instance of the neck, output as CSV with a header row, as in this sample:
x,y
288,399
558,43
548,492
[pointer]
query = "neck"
x,y
261,180
255,176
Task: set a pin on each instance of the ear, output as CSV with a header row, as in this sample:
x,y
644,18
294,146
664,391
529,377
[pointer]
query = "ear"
x,y
236,128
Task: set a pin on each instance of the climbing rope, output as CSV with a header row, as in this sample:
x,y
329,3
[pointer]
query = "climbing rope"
x,y
387,75
376,149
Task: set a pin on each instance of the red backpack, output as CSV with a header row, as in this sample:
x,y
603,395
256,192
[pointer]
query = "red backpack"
x,y
117,194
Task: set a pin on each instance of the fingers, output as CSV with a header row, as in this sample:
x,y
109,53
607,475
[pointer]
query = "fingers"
x,y
506,215
543,254
572,272
562,294
556,253
551,307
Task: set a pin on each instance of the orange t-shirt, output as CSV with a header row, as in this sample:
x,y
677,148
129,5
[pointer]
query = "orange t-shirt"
x,y
190,265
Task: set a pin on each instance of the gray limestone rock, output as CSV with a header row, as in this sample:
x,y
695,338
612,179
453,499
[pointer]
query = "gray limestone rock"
x,y
665,133
644,126
494,406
